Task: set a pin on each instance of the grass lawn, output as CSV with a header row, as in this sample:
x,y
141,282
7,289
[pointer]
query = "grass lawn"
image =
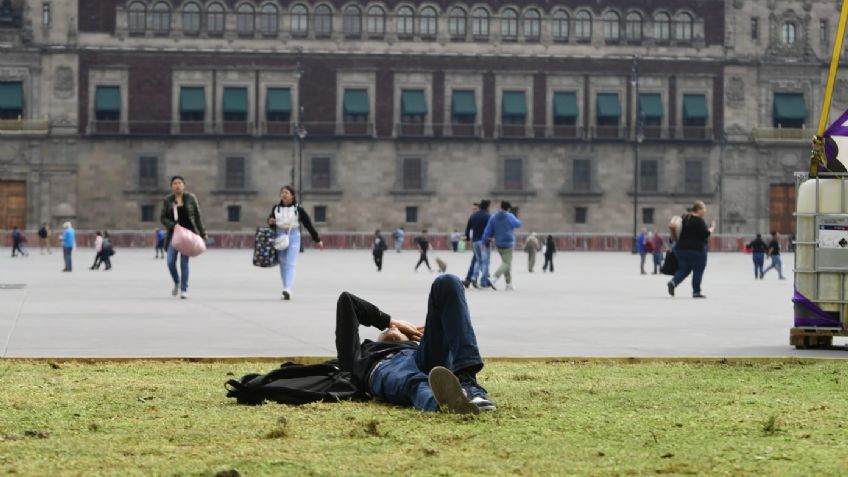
x,y
559,418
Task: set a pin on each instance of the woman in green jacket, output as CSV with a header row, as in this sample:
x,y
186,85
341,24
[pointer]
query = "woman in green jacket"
x,y
188,216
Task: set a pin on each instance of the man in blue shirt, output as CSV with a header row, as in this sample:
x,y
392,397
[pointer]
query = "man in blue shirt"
x,y
640,248
68,243
502,227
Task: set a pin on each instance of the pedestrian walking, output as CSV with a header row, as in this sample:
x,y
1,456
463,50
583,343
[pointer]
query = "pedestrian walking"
x,y
531,246
774,253
69,242
758,254
423,244
160,243
501,227
18,240
479,268
397,236
180,207
44,238
454,240
550,250
106,251
658,246
98,249
286,218
379,248
690,249
642,250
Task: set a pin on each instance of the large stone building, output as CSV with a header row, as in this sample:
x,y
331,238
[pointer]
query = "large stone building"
x,y
393,112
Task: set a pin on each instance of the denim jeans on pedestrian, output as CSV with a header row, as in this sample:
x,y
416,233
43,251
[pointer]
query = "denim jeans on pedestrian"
x,y
180,278
448,341
759,259
472,268
66,251
775,263
288,257
658,259
690,261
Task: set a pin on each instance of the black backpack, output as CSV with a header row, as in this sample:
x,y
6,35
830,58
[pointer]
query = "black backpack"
x,y
295,384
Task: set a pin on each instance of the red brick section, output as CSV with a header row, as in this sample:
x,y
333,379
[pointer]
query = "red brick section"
x,y
385,100
540,103
97,16
488,107
439,99
672,101
317,94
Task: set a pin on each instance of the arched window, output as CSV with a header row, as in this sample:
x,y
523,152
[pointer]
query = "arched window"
x,y
662,26
352,24
161,18
137,17
299,20
633,27
323,20
559,26
245,19
480,23
457,23
683,27
612,25
269,20
215,19
788,33
376,21
191,19
405,19
427,21
583,25
509,23
532,24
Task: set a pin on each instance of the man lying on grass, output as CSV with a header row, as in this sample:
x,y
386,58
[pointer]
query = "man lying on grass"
x,y
431,367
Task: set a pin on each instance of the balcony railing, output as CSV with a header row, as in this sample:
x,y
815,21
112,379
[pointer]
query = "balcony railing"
x,y
565,131
235,128
513,130
463,130
277,128
104,127
24,126
782,134
608,132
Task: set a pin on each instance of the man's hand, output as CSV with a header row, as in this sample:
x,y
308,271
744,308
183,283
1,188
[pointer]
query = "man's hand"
x,y
411,331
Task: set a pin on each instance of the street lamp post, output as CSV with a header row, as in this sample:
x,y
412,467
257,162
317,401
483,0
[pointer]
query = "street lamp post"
x,y
637,139
299,127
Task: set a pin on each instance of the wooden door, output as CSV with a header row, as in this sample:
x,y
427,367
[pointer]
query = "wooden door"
x,y
12,204
781,208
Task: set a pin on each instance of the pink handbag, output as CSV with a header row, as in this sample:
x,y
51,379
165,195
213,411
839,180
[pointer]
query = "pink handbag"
x,y
185,241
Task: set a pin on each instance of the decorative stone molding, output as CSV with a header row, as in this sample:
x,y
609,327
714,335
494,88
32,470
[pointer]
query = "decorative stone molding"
x,y
736,92
63,82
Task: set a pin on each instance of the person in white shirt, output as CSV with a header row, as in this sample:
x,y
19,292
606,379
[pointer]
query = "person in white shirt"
x,y
286,217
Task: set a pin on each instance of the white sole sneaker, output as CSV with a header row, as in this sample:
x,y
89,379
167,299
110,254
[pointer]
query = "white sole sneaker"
x,y
286,294
175,291
183,295
448,392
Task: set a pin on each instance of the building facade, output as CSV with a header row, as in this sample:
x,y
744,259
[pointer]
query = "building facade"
x,y
403,113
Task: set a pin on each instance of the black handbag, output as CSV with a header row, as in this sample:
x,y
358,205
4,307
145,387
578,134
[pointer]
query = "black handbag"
x,y
669,266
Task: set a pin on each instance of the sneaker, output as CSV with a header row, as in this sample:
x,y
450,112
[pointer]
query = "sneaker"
x,y
183,295
509,287
476,394
474,284
698,295
449,393
671,287
466,283
286,294
176,290
492,284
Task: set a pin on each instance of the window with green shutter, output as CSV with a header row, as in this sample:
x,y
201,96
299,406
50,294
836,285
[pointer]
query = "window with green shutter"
x,y
107,103
278,105
234,104
11,99
565,109
192,103
789,110
695,112
413,106
356,105
651,109
463,107
514,107
608,109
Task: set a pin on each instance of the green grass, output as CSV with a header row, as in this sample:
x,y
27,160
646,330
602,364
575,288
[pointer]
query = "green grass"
x,y
172,418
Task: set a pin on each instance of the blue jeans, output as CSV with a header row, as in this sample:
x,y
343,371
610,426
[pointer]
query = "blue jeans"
x,y
775,263
480,263
448,341
759,258
472,268
658,258
66,252
182,277
690,261
288,257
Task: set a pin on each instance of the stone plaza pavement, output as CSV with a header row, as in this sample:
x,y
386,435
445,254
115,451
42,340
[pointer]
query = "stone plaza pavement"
x,y
595,304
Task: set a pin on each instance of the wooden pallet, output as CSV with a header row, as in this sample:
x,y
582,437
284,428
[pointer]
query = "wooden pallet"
x,y
807,338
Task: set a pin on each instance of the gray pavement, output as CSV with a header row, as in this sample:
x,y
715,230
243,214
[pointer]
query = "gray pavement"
x,y
595,304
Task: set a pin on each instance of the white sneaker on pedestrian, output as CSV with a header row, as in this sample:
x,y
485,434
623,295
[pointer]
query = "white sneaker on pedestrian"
x,y
176,290
183,295
287,294
509,287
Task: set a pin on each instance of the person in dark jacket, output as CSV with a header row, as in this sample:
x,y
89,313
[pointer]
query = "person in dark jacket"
x,y
774,253
479,268
501,228
17,240
758,253
423,244
184,204
286,218
431,367
550,250
691,249
379,247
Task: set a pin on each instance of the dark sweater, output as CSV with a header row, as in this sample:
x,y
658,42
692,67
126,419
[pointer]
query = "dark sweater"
x,y
694,235
774,248
359,358
476,225
757,246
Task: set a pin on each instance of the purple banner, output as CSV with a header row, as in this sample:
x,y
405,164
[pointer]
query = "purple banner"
x,y
808,313
838,128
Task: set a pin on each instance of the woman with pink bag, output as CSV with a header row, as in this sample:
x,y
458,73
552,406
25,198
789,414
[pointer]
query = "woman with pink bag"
x,y
181,215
